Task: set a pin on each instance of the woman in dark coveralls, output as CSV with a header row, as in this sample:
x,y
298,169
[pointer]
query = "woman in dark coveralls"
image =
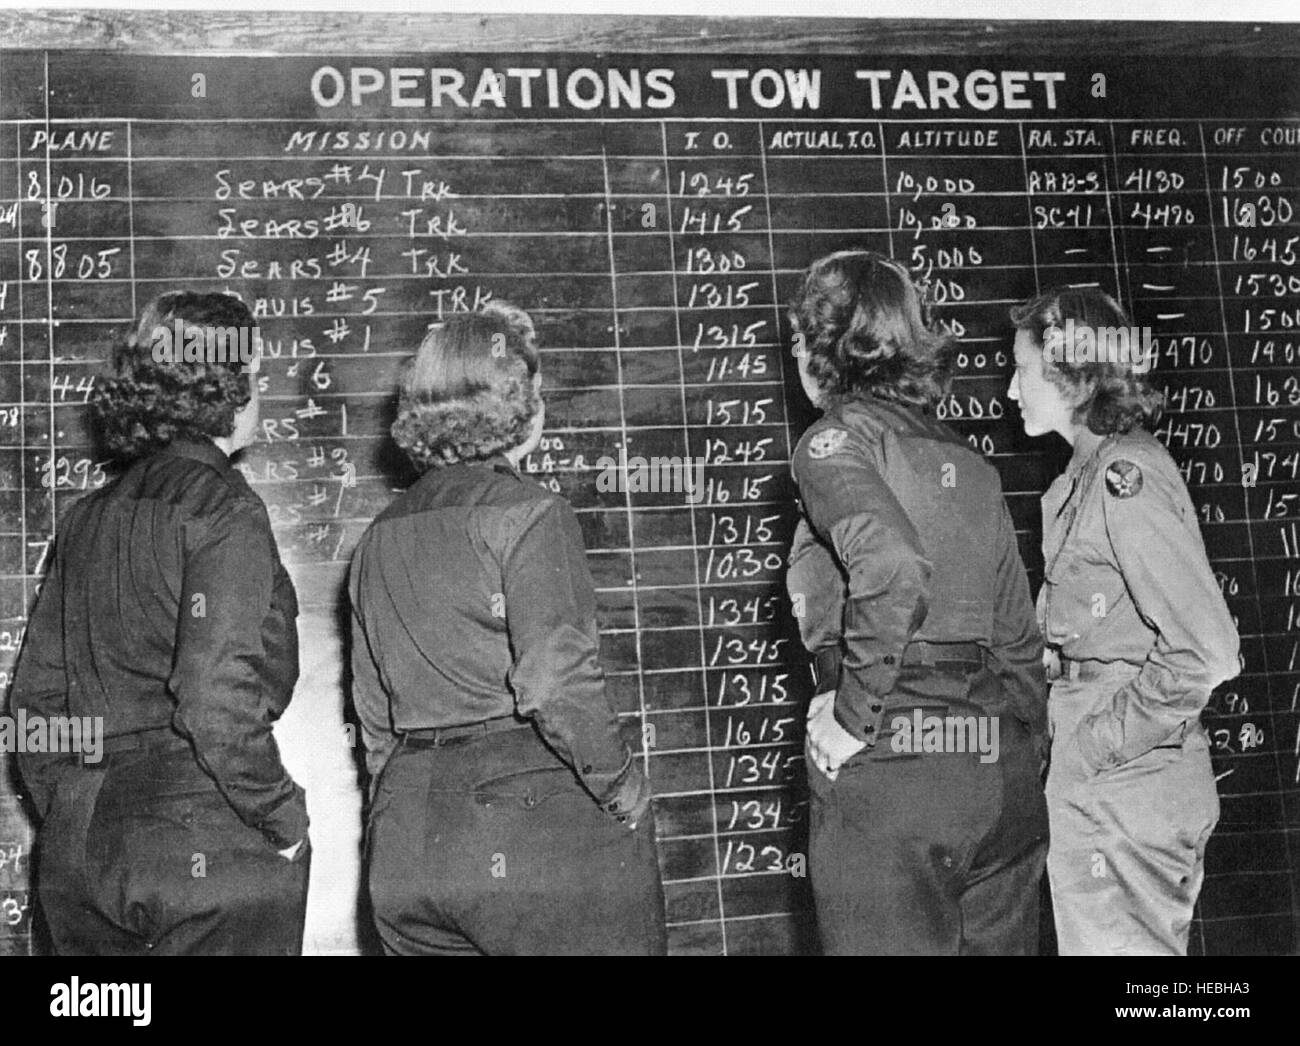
x,y
508,816
907,582
167,613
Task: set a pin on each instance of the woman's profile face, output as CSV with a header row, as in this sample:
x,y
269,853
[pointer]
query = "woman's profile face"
x,y
1044,407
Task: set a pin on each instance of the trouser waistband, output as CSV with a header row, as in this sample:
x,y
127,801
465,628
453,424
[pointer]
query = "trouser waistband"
x,y
1061,667
942,657
438,737
157,737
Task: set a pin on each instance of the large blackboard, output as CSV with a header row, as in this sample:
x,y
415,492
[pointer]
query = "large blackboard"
x,y
654,212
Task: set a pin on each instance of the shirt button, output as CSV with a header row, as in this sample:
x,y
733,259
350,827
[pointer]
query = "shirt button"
x,y
889,659
586,768
613,806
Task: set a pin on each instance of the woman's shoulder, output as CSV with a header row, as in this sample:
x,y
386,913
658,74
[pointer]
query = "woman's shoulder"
x,y
1136,462
845,427
496,496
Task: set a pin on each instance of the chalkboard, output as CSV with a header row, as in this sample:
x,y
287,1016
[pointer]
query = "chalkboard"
x,y
654,212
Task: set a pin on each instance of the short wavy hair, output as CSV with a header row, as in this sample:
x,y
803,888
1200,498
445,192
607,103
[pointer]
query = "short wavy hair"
x,y
1112,397
146,404
861,324
468,393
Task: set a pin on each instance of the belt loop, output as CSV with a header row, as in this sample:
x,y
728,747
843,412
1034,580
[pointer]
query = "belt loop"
x,y
1075,669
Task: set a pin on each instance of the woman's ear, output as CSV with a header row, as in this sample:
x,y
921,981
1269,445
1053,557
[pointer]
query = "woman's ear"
x,y
1080,398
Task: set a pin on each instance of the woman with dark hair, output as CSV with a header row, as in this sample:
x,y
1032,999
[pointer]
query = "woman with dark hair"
x,y
168,618
1137,635
507,813
928,827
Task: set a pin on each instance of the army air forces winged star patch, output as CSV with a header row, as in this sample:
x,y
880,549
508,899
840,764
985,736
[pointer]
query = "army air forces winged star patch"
x,y
826,443
1123,479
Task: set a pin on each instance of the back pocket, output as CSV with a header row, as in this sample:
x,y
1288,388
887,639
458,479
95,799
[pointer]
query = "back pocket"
x,y
527,788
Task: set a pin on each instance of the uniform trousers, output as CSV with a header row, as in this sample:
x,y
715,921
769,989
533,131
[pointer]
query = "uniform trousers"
x,y
140,854
488,845
1127,857
931,853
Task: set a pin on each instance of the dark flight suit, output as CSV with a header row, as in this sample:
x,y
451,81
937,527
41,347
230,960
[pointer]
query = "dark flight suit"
x,y
167,612
914,596
500,782
1139,635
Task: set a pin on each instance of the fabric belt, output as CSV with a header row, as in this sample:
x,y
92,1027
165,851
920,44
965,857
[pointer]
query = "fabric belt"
x,y
943,657
953,657
438,737
1061,667
158,737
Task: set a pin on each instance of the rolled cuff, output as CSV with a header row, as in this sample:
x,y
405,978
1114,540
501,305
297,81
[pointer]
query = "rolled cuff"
x,y
287,823
607,785
859,712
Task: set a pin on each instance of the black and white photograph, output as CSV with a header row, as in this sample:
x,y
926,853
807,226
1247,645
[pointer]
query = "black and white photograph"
x,y
613,480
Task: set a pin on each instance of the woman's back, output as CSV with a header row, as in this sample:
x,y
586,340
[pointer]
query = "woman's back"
x,y
122,554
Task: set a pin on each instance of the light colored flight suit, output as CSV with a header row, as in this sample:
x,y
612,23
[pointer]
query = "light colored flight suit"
x,y
1139,635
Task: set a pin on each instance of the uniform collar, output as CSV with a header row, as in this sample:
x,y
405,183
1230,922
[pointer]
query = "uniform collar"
x,y
205,451
1082,458
496,463
501,463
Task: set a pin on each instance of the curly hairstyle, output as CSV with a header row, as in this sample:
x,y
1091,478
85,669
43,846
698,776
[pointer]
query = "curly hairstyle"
x,y
149,403
859,320
1112,396
468,393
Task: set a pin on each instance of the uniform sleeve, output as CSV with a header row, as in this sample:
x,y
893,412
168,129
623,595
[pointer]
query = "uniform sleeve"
x,y
1166,572
850,506
368,693
556,676
816,590
40,686
217,677
1017,643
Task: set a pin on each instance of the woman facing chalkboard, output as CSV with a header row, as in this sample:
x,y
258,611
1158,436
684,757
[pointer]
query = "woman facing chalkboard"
x,y
1137,636
168,619
507,814
928,829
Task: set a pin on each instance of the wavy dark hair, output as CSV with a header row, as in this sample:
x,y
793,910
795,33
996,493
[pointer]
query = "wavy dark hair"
x,y
1111,395
147,404
468,392
860,320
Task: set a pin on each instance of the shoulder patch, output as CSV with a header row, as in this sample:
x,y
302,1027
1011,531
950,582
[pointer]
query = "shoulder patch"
x,y
1123,478
826,443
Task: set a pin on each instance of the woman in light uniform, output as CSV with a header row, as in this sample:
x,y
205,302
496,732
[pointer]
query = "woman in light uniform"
x,y
1137,636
